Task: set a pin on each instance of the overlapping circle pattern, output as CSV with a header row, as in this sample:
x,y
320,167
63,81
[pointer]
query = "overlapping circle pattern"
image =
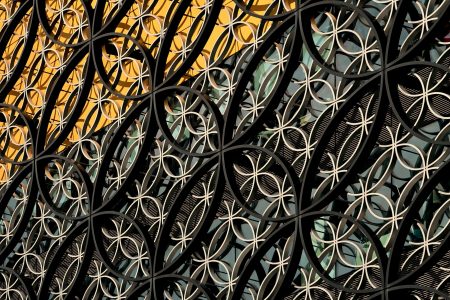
x,y
225,149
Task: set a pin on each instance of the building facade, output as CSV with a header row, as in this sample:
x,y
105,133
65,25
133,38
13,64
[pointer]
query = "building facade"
x,y
224,149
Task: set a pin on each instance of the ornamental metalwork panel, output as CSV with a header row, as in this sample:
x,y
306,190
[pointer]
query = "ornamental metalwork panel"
x,y
224,149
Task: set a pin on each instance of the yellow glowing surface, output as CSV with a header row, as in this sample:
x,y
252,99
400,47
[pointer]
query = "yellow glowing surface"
x,y
143,24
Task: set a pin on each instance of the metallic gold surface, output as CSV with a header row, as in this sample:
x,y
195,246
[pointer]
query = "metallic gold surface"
x,y
146,22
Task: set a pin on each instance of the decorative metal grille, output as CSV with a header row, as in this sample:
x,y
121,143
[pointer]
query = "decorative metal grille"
x,y
224,149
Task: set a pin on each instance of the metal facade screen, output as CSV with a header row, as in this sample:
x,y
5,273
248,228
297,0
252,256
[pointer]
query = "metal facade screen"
x,y
224,149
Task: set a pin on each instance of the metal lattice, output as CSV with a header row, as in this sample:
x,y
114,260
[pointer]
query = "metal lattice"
x,y
224,149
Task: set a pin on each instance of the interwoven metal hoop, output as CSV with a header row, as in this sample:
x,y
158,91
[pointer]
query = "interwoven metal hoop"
x,y
225,149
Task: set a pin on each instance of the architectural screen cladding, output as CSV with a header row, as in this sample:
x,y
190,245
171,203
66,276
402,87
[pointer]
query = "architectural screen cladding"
x,y
224,149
